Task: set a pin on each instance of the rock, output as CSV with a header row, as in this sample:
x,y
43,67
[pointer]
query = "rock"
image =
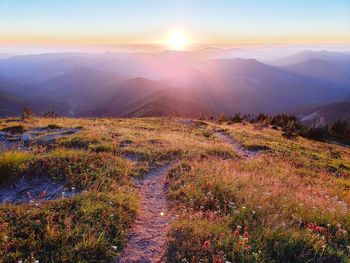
x,y
25,138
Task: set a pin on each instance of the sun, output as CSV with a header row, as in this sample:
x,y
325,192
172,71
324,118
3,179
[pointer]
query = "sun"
x,y
178,40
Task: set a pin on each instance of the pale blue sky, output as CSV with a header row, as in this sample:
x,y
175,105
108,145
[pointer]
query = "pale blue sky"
x,y
209,21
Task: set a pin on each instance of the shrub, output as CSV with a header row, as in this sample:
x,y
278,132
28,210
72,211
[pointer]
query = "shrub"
x,y
282,120
237,118
262,117
340,129
291,129
27,113
49,114
11,163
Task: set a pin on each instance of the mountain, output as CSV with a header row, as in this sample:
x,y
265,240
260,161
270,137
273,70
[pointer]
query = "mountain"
x,y
330,56
30,68
12,105
325,115
329,72
39,68
214,87
78,86
122,98
11,86
171,82
142,97
254,86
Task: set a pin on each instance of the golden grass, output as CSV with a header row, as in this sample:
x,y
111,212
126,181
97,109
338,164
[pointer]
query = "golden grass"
x,y
277,195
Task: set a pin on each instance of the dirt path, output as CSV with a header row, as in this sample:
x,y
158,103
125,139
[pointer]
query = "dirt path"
x,y
147,242
236,146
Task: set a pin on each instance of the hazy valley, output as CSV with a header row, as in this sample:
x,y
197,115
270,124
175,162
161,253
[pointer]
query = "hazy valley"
x,y
206,82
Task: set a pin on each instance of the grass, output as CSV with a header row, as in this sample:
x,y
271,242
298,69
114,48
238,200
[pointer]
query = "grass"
x,y
12,163
246,210
290,203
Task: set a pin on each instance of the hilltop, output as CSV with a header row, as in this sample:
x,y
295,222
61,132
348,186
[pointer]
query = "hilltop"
x,y
75,189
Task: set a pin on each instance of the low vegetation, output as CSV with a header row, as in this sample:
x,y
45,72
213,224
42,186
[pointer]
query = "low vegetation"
x,y
288,203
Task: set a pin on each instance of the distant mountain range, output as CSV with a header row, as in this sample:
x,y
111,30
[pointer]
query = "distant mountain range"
x,y
204,82
12,105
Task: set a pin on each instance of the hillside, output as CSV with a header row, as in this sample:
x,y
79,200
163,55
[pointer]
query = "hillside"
x,y
120,190
329,72
12,105
325,114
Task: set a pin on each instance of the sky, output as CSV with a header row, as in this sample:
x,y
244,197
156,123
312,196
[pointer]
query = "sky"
x,y
154,22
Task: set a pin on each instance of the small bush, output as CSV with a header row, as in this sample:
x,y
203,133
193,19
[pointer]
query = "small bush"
x,y
77,143
49,114
18,129
340,129
27,113
12,163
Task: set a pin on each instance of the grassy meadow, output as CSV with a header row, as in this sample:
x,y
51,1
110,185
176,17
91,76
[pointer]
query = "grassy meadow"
x,y
288,203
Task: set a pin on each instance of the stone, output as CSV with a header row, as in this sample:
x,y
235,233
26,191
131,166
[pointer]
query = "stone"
x,y
25,138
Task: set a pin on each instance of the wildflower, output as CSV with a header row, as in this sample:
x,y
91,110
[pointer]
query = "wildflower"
x,y
246,235
317,228
222,235
161,213
324,246
247,248
239,227
220,260
29,194
43,194
114,248
206,245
